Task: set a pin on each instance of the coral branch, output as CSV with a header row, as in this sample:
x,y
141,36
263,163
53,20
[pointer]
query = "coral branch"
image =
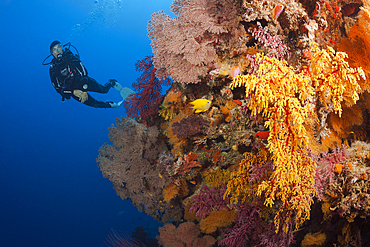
x,y
208,200
145,102
283,96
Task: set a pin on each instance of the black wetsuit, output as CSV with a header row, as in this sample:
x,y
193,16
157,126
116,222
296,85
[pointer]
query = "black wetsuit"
x,y
67,73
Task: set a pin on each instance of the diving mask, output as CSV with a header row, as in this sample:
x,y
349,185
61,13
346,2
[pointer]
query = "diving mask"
x,y
57,50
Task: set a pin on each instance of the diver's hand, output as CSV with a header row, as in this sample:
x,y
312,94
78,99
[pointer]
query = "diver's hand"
x,y
66,93
112,80
82,96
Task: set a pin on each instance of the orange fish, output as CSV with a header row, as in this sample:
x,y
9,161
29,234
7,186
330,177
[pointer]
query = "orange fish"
x,y
235,71
278,10
193,182
238,102
338,168
262,134
307,55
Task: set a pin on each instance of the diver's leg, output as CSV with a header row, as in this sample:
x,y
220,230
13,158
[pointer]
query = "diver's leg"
x,y
90,101
90,84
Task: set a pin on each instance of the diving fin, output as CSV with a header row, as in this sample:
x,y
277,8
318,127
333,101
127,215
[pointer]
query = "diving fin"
x,y
124,91
118,86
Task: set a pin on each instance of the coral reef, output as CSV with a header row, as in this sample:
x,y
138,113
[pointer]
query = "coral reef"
x,y
282,155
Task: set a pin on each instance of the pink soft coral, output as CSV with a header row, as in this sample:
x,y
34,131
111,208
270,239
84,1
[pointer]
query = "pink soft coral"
x,y
325,168
251,230
208,200
184,47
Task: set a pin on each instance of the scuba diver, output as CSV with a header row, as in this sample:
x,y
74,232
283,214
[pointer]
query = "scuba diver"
x,y
69,78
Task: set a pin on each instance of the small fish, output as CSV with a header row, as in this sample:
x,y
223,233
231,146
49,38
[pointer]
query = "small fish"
x,y
171,206
201,105
307,55
262,134
278,10
235,71
238,102
159,174
193,182
338,168
150,194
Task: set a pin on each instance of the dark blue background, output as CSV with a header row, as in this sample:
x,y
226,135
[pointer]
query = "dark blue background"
x,y
51,191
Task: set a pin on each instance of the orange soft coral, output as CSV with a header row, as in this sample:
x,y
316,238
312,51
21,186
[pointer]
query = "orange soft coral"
x,y
172,191
342,125
221,218
315,239
172,104
178,144
357,45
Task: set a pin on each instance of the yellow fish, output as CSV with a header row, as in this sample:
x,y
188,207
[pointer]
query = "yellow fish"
x,y
159,175
201,105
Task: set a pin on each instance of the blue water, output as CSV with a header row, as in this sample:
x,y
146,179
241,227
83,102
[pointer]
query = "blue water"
x,y
51,191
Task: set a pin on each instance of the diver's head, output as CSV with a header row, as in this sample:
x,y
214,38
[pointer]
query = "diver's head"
x,y
56,48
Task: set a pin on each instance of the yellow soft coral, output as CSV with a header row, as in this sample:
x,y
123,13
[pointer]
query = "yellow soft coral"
x,y
240,187
216,177
284,97
333,79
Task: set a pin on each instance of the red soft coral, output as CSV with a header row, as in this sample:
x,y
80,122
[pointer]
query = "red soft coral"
x,y
185,164
146,101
